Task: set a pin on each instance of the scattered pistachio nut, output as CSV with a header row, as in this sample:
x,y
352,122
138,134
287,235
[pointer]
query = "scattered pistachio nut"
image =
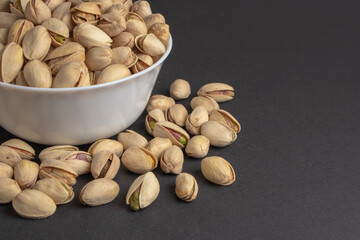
x,y
25,150
130,138
9,188
26,173
106,144
218,170
198,146
180,89
80,161
186,187
139,160
159,101
59,192
221,92
176,134
154,116
9,156
195,119
177,114
205,101
6,171
105,164
55,152
219,135
158,146
98,192
224,117
172,160
58,169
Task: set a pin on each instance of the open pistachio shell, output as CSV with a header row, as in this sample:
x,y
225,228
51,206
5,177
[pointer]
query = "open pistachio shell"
x,y
155,115
72,74
136,27
55,152
205,101
80,161
37,11
18,7
113,72
124,55
98,192
90,36
154,18
186,187
161,31
12,60
106,144
158,146
149,44
6,171
37,74
180,89
219,135
36,43
25,150
98,58
9,156
159,101
18,30
58,169
6,19
9,188
118,8
221,92
105,164
130,138
225,118
112,24
218,170
58,191
177,114
86,12
198,146
63,13
139,160
195,119
172,160
176,134
124,39
58,31
144,61
142,8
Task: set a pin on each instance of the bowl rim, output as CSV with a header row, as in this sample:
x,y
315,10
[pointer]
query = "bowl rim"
x,y
92,87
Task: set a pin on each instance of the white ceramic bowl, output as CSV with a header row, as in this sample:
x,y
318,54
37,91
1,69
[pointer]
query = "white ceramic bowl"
x,y
77,115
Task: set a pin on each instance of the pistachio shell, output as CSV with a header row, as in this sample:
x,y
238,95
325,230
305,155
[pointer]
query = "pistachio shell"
x,y
113,72
130,138
20,80
177,114
53,4
112,23
88,7
161,31
4,35
205,101
9,188
72,74
86,12
125,56
136,27
33,204
224,117
98,192
144,61
80,161
58,31
4,6
180,89
219,135
6,19
176,134
106,144
218,170
58,169
158,146
186,187
118,8
194,121
37,11
221,92
90,36
105,4
98,58
105,164
172,160
198,146
154,18
63,13
6,171
25,150
59,192
18,30
16,7
9,156
142,8
37,74
36,43
124,39
25,173
55,152
155,115
139,160
12,60
159,101
149,44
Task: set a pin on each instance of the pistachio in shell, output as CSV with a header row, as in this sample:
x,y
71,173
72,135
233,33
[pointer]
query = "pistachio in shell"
x,y
98,58
63,13
177,114
106,144
37,11
118,8
161,31
20,80
58,191
139,160
37,74
89,36
18,30
72,74
6,19
224,117
9,188
143,191
36,43
130,138
221,92
6,171
112,23
186,187
98,192
144,61
154,18
125,56
176,134
205,101
55,152
80,161
158,146
124,39
142,8
105,164
4,6
58,169
218,170
17,7
33,204
149,44
219,135
12,60
154,116
26,173
86,12
198,146
58,31
25,150
136,27
112,73
53,4
172,160
180,89
9,156
159,101
4,35
195,119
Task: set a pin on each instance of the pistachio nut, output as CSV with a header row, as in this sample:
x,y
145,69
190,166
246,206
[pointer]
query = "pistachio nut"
x,y
63,13
18,30
186,187
86,12
6,171
112,23
106,144
64,54
177,114
105,164
172,160
72,74
6,19
180,89
18,7
33,204
218,170
149,44
36,43
159,101
25,173
219,135
9,188
158,146
118,8
142,8
136,27
124,39
37,11
25,150
80,161
195,119
105,4
154,116
20,80
176,134
55,152
11,62
98,192
125,56
4,35
154,18
143,191
37,74
113,72
53,4
58,31
139,160
221,92
58,191
144,61
89,36
130,138
225,118
98,58
205,101
198,146
9,156
58,169
161,31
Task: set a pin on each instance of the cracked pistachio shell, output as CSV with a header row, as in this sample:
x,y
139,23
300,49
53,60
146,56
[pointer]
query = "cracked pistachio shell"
x,y
161,31
177,114
58,169
176,134
55,152
149,44
219,135
72,74
218,170
112,23
86,12
25,150
9,188
26,173
37,11
221,92
80,161
90,36
158,146
225,118
98,58
105,164
9,156
142,8
198,146
37,74
180,89
6,19
154,18
118,8
58,31
205,101
18,30
12,60
6,171
155,115
36,43
125,56
59,192
98,192
136,27
186,187
159,101
130,138
172,160
4,35
195,119
143,191
139,160
144,61
113,72
106,144
63,13
124,39
53,4
33,204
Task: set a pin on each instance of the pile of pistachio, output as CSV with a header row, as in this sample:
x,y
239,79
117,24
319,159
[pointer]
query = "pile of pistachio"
x,y
62,164
76,43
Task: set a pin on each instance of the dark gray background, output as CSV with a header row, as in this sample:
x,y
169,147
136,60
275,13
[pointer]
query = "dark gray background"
x,y
295,69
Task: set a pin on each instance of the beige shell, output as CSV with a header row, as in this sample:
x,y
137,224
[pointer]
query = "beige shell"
x,y
12,60
26,173
20,80
176,134
58,169
63,13
98,58
105,164
221,92
106,144
37,74
33,204
158,146
36,43
6,19
143,191
144,61
72,74
205,101
53,4
195,119
112,23
142,8
6,171
154,18
55,152
124,39
149,44
98,192
4,32
161,31
37,11
172,160
139,160
25,150
198,146
136,27
113,72
89,36
218,170
86,12
180,89
59,192
225,118
9,188
4,6
219,135
18,30
155,115
118,8
58,31
80,161
9,156
186,187
177,114
130,138
159,101
125,56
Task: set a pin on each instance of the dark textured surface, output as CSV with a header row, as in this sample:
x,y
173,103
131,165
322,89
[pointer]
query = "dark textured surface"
x,y
295,69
